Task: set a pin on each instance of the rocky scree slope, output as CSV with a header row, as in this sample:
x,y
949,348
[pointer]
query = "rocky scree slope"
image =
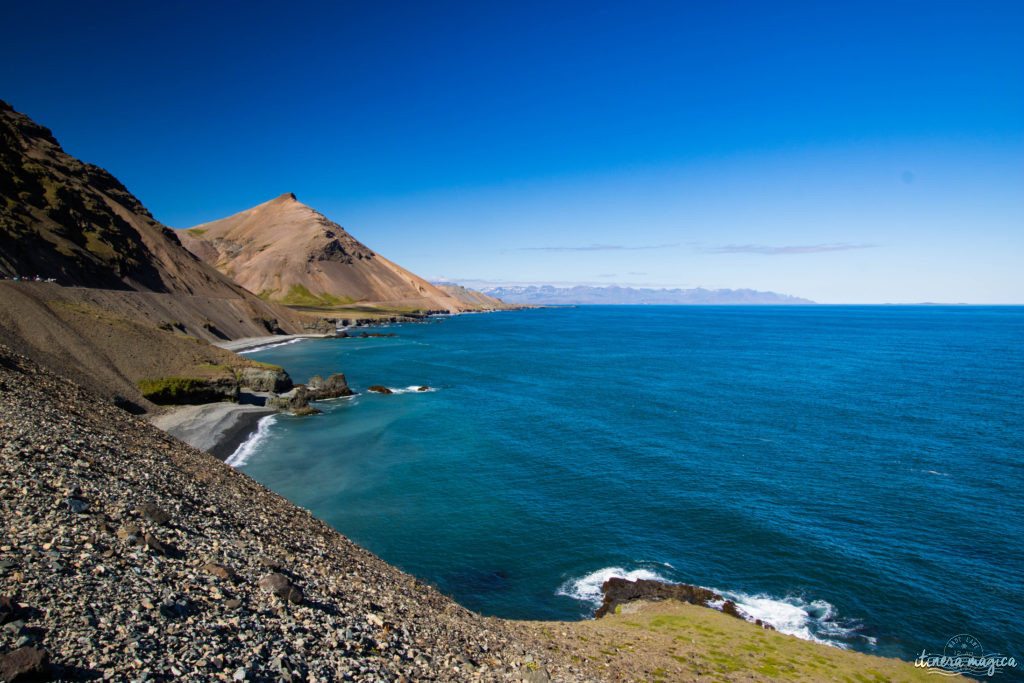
x,y
126,554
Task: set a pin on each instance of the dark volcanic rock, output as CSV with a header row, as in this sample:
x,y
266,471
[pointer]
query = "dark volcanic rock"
x,y
23,664
618,591
297,403
423,389
380,389
334,386
729,607
7,608
220,570
279,585
155,514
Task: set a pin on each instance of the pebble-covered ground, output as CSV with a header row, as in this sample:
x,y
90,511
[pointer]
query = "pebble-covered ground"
x,y
128,555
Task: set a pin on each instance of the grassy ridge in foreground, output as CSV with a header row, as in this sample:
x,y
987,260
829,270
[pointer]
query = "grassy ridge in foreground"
x,y
674,641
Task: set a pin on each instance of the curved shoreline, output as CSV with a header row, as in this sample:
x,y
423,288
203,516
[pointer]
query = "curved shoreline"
x,y
217,428
253,343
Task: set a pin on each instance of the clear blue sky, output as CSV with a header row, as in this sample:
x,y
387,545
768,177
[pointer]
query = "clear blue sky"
x,y
868,152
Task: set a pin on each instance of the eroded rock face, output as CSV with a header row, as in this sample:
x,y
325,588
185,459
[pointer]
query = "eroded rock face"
x,y
334,386
265,379
618,591
167,391
297,403
319,326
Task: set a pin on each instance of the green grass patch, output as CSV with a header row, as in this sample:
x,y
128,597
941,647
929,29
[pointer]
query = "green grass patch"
x,y
198,232
221,368
298,295
167,391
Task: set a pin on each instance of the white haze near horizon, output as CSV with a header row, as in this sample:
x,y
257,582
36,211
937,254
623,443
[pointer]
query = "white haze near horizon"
x,y
881,225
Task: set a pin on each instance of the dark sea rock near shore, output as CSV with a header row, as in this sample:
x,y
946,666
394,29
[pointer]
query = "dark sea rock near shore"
x,y
379,389
618,591
334,386
297,402
114,593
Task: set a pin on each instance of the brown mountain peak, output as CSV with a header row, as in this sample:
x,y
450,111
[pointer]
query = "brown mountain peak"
x,y
286,251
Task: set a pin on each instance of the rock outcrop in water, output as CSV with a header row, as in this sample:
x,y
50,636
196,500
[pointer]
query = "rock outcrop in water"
x,y
618,591
334,386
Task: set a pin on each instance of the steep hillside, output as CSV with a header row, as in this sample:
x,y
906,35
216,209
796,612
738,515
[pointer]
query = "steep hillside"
x,y
69,220
126,288
128,555
284,251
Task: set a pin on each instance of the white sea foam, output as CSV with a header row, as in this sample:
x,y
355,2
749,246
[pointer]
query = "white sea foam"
x,y
248,447
811,620
273,345
588,588
412,388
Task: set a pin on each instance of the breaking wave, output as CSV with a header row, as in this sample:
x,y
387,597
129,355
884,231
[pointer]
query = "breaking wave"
x,y
411,389
814,620
250,445
588,588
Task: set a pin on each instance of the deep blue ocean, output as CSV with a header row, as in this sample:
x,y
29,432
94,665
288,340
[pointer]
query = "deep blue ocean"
x,y
851,474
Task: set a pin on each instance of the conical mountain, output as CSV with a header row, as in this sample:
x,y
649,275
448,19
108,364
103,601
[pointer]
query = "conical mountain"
x,y
287,252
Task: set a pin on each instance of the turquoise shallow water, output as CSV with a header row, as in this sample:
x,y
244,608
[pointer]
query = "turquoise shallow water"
x,y
852,474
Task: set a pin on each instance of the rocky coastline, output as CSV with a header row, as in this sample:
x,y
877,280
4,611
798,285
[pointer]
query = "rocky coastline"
x,y
128,555
221,427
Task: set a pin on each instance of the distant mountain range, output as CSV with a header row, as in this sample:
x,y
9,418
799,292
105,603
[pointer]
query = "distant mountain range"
x,y
614,295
